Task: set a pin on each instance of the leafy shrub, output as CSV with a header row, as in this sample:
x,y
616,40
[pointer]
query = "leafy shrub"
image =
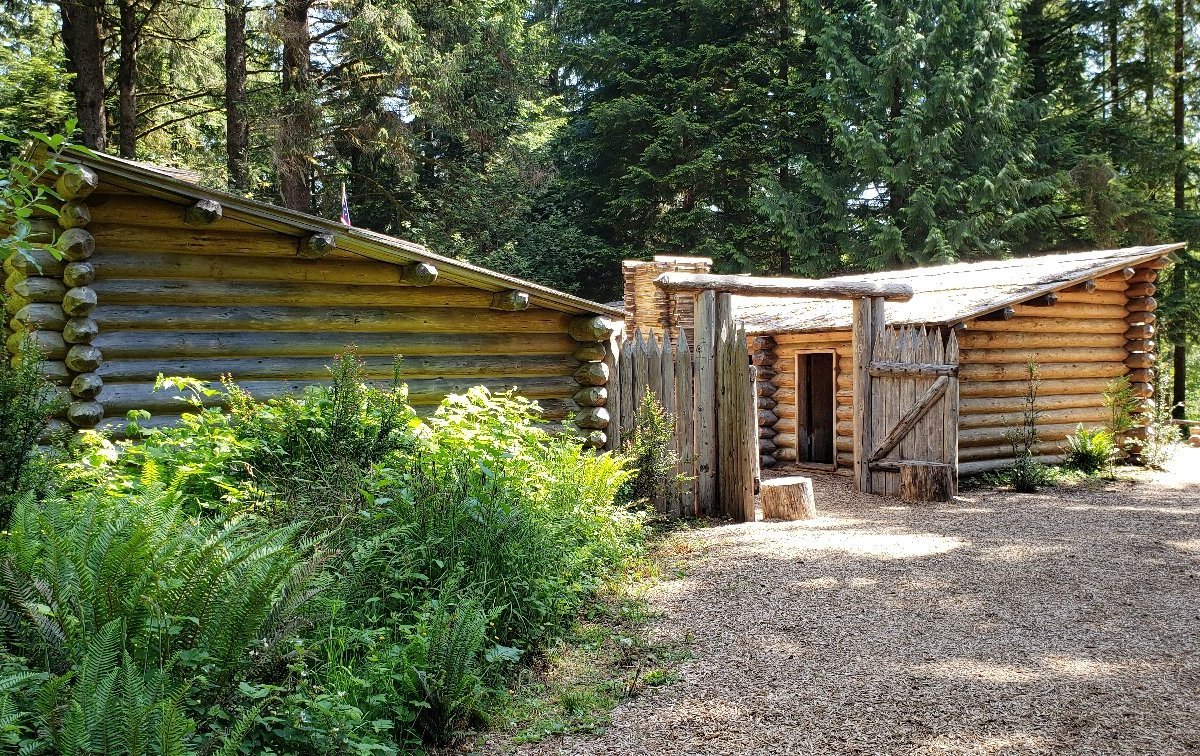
x,y
1090,450
1162,435
27,403
649,447
1027,473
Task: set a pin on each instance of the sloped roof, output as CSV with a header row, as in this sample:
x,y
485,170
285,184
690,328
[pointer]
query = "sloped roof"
x,y
180,186
946,294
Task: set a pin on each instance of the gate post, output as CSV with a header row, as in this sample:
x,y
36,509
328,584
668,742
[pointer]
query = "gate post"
x,y
706,403
866,324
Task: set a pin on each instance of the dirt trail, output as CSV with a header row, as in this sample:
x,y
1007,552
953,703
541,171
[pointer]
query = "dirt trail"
x,y
1064,622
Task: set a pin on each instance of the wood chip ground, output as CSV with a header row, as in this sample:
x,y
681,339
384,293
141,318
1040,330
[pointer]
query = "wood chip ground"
x,y
1062,622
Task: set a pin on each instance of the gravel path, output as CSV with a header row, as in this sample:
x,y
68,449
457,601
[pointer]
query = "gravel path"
x,y
1066,622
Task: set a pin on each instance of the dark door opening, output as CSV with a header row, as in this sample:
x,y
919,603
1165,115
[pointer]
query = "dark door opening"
x,y
815,423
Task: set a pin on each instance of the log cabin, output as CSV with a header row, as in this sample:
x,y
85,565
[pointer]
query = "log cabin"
x,y
1084,318
152,273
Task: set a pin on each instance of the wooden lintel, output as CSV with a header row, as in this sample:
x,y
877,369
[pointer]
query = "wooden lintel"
x,y
315,246
510,301
1004,313
754,286
203,213
909,368
419,274
1046,300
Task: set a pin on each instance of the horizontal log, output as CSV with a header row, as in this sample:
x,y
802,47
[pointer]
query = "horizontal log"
x,y
766,431
79,274
218,240
766,403
782,287
1141,345
883,369
996,436
822,338
1056,325
83,358
315,246
1143,390
74,214
785,424
119,398
35,261
1072,310
1045,300
592,418
994,372
203,212
36,288
87,386
1128,273
1089,416
1157,263
1111,282
989,465
500,367
1142,304
1141,375
766,388
845,428
1062,386
763,357
157,344
1141,318
1139,360
1111,298
767,417
842,444
396,320
1015,404
590,351
970,340
419,274
285,293
85,414
1042,356
126,265
1140,332
591,374
1144,289
1001,314
76,182
785,455
784,441
40,316
1145,275
146,217
1085,287
760,342
591,396
510,301
49,344
591,328
56,372
76,244
79,301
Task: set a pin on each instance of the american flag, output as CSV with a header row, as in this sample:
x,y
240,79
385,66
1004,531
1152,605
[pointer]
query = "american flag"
x,y
345,207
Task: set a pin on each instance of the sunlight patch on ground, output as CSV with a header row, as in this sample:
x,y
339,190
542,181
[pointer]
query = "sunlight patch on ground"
x,y
1019,552
858,543
1125,508
1016,742
1187,547
1050,667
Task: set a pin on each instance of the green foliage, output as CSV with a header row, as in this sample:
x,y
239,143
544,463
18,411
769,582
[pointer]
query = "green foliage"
x,y
1123,406
27,403
1027,474
649,446
1090,450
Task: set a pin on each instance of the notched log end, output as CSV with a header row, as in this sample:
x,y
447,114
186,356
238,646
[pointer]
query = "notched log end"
x,y
204,213
316,246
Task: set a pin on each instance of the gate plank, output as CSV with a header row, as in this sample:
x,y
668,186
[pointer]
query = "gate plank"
x,y
705,397
910,418
686,425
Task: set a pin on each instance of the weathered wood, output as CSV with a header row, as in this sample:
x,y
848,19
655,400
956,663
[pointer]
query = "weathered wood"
x,y
1144,289
76,244
361,319
763,357
988,465
74,214
84,358
203,213
221,343
78,274
975,340
628,389
1143,276
1139,360
591,396
292,294
1016,388
48,344
1157,263
614,389
879,369
590,351
782,287
40,316
864,335
761,342
1141,345
1060,325
926,482
766,431
1143,375
986,437
909,419
1044,356
1141,318
85,414
1140,332
87,386
1008,372
1142,304
685,428
419,274
316,246
76,182
1086,286
591,328
592,374
34,261
808,340
766,403
592,418
1070,310
1142,389
80,330
788,499
705,398
1046,300
1092,413
79,301
1111,298
1012,405
1004,313
510,301
36,288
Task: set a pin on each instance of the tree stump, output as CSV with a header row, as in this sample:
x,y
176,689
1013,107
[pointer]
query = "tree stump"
x,y
788,499
927,481
1194,435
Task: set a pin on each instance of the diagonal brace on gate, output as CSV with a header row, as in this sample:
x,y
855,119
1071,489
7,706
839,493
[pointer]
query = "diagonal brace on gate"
x,y
911,417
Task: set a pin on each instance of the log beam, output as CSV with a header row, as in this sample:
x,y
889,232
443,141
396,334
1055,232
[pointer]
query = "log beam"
x,y
315,246
76,182
510,301
750,286
204,212
419,274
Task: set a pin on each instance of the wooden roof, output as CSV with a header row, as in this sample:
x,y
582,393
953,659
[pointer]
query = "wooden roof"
x,y
179,186
945,294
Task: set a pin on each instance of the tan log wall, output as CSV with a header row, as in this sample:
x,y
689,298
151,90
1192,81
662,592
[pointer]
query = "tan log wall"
x,y
653,310
227,297
787,346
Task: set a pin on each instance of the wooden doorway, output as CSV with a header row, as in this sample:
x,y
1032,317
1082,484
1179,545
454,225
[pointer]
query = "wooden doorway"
x,y
816,409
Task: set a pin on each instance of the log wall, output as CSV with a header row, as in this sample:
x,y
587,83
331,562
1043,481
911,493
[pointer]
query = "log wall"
x,y
151,287
649,308
787,346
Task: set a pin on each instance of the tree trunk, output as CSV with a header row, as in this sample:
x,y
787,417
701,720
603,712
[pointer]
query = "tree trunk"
x,y
1179,357
237,125
127,80
293,150
1114,53
83,40
785,35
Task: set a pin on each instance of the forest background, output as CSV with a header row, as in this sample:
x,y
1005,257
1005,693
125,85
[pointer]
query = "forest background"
x,y
553,138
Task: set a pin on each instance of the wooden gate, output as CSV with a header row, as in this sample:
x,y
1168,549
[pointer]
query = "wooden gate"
x,y
906,408
708,387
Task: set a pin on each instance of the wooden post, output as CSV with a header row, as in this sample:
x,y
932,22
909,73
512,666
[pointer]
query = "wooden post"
x,y
685,425
863,340
788,499
950,417
706,408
